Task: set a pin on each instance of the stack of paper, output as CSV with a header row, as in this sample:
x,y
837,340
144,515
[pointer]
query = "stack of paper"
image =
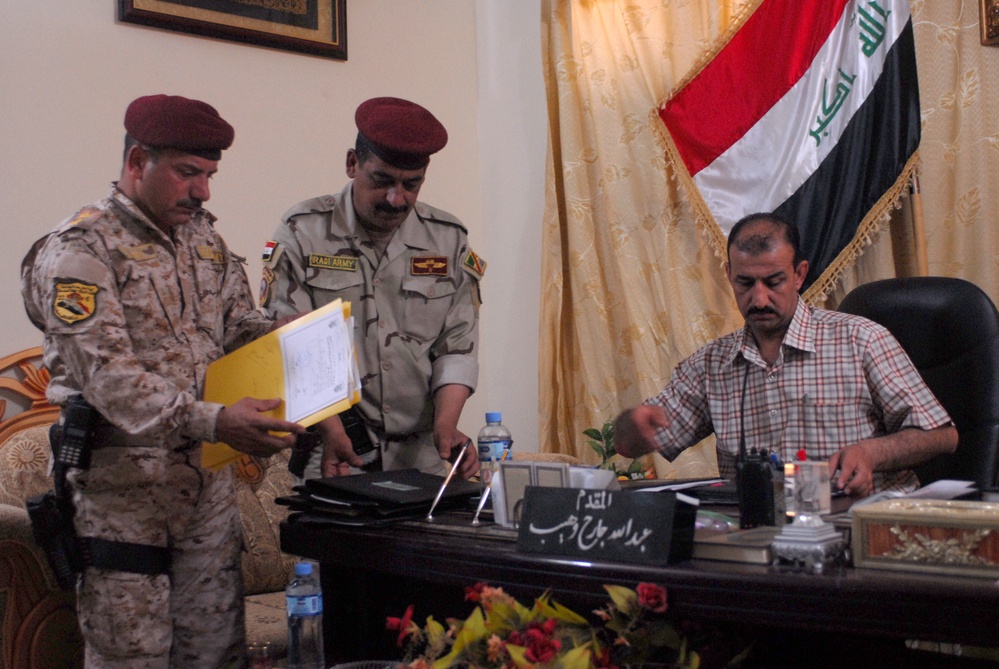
x,y
309,363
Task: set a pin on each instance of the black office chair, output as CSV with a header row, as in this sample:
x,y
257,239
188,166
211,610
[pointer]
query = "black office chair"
x,y
950,329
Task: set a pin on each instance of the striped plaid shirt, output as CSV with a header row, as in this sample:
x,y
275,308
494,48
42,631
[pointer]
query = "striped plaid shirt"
x,y
838,379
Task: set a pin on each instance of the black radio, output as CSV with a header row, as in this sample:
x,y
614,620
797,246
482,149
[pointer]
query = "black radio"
x,y
760,489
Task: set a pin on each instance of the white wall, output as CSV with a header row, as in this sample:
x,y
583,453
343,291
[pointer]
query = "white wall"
x,y
68,70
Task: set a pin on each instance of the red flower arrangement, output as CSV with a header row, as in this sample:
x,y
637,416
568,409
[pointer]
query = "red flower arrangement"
x,y
501,633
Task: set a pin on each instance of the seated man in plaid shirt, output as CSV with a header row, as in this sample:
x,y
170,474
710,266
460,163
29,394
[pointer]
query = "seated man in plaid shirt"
x,y
795,376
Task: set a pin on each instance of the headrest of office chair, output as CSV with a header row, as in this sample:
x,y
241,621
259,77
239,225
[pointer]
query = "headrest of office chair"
x,y
936,319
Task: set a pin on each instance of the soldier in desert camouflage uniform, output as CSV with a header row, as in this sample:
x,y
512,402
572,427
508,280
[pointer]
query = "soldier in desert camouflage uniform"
x,y
136,295
412,281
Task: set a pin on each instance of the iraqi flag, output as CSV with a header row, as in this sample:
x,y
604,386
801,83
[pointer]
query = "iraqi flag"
x,y
810,110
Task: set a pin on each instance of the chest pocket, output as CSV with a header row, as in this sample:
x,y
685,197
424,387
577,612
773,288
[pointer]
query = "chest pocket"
x,y
327,285
427,302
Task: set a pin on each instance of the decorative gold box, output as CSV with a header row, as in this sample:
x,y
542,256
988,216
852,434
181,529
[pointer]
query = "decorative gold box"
x,y
928,535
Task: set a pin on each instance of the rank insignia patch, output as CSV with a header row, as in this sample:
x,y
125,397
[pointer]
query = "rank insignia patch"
x,y
138,253
474,264
211,253
432,265
75,302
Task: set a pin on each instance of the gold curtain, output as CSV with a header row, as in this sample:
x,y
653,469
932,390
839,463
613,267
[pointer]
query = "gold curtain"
x,y
630,286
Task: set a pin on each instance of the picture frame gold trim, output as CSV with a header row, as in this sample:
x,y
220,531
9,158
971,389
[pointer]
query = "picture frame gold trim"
x,y
988,17
314,27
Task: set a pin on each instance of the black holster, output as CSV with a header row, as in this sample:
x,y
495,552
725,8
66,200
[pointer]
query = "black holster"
x,y
51,513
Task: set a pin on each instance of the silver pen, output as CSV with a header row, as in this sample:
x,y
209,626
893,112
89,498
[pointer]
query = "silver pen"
x,y
450,474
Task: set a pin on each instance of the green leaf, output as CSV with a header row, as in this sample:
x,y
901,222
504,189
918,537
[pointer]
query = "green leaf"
x,y
577,658
608,432
635,467
599,449
624,599
517,655
594,434
553,609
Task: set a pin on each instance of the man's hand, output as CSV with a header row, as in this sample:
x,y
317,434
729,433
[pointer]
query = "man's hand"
x,y
338,451
635,430
448,402
856,469
284,320
449,441
904,449
245,427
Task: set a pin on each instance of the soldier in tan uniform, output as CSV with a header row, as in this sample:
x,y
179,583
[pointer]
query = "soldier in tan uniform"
x,y
136,295
412,281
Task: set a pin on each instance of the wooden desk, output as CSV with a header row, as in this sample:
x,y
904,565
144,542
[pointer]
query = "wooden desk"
x,y
370,573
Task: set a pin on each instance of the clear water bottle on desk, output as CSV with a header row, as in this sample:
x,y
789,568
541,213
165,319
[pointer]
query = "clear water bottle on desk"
x,y
305,619
494,444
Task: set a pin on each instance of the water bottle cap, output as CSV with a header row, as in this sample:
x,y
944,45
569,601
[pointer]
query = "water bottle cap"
x,y
494,417
303,568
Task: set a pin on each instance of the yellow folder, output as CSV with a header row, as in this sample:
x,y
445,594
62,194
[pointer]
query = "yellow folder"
x,y
258,370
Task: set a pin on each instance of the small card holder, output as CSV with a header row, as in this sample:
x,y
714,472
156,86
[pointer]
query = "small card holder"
x,y
513,479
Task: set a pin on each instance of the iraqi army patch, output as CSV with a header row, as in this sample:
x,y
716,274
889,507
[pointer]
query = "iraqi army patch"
x,y
266,282
429,265
268,250
342,263
75,302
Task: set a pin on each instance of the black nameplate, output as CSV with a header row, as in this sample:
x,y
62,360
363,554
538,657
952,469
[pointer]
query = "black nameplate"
x,y
625,526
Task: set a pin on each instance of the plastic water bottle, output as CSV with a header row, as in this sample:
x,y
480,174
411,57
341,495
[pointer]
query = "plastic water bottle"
x,y
494,443
305,619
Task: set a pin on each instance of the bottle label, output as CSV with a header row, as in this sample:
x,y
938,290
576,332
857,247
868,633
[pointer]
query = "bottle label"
x,y
308,605
493,449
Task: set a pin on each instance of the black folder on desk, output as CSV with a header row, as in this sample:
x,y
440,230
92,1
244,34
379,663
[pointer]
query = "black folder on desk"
x,y
401,487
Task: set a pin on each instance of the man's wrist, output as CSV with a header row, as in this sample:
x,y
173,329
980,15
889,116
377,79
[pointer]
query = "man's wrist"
x,y
202,421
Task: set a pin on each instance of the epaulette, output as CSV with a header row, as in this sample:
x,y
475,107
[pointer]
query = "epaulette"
x,y
313,205
84,219
433,215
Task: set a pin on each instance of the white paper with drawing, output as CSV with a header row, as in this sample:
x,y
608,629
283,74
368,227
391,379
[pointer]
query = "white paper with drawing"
x,y
319,365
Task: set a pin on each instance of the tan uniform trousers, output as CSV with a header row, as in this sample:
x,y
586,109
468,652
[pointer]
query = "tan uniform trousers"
x,y
191,617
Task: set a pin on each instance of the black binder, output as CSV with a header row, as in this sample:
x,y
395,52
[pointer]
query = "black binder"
x,y
391,489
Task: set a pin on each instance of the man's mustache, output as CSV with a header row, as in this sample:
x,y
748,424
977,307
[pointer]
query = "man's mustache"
x,y
760,311
389,209
192,203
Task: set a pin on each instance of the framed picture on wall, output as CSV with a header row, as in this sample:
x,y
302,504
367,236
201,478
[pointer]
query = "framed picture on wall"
x,y
315,27
989,20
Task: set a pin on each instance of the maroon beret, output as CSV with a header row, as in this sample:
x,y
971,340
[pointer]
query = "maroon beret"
x,y
175,122
402,133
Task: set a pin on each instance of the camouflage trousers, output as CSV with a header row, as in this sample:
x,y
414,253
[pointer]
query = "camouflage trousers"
x,y
191,617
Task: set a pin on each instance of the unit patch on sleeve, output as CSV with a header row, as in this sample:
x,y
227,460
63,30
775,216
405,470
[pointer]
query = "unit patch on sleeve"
x,y
265,286
343,263
74,302
474,265
432,265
